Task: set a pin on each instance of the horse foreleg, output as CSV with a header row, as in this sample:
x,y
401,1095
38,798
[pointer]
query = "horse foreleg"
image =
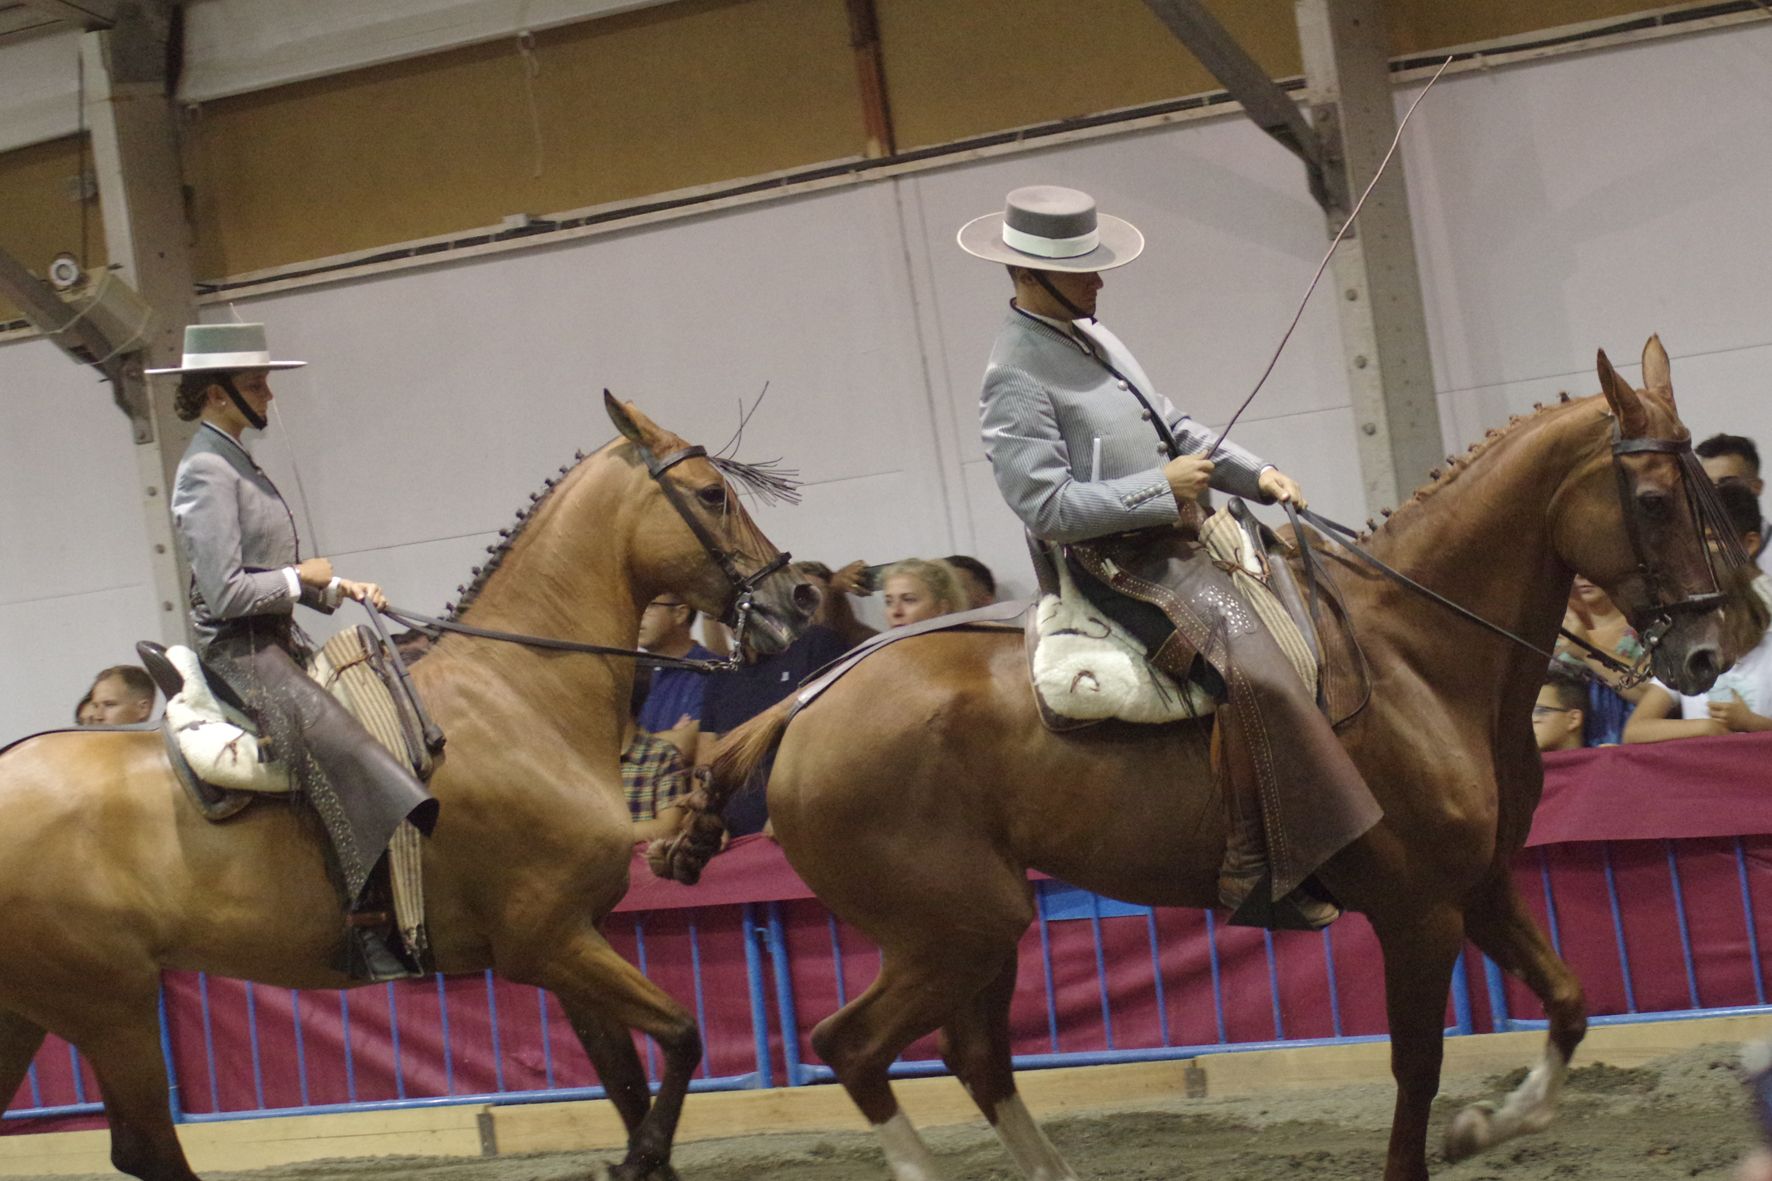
x,y
1500,924
19,1042
975,1045
590,978
610,1048
1418,958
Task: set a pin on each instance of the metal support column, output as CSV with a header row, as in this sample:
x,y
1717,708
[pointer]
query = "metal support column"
x,y
141,195
1377,286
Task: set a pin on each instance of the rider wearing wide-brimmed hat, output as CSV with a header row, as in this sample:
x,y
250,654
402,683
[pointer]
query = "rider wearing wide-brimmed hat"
x,y
1092,458
247,575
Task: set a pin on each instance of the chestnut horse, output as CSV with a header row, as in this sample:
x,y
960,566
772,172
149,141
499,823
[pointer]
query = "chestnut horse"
x,y
108,874
914,795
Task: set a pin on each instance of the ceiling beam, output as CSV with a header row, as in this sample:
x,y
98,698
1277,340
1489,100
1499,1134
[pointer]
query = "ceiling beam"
x,y
85,14
1263,101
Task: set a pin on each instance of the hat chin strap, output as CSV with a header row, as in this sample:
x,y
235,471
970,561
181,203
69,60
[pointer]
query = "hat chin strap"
x,y
256,420
1076,312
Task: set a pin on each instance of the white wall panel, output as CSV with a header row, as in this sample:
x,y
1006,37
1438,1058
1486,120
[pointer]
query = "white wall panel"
x,y
1560,206
1592,200
39,88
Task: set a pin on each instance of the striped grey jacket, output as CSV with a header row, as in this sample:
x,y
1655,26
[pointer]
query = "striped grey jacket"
x,y
238,536
1046,404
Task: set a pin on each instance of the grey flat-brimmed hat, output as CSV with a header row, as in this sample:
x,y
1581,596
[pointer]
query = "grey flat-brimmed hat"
x,y
1049,228
221,348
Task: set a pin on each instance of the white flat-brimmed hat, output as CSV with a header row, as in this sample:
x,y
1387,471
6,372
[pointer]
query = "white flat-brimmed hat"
x,y
219,348
1049,228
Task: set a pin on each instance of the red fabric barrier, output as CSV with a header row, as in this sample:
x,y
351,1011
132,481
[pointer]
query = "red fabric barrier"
x,y
1697,787
1700,794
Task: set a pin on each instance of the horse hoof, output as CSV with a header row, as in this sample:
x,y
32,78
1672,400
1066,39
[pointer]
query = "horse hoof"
x,y
1471,1132
631,1172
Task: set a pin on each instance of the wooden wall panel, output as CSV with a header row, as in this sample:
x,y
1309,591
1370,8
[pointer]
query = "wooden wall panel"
x,y
955,70
689,94
40,220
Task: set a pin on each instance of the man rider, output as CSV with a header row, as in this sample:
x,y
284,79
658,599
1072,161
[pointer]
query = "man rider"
x,y
1093,459
247,575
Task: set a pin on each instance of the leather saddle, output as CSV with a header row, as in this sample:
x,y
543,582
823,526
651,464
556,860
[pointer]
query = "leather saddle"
x,y
355,666
1343,676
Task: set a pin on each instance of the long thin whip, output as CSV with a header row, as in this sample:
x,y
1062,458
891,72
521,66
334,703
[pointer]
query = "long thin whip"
x,y
1327,255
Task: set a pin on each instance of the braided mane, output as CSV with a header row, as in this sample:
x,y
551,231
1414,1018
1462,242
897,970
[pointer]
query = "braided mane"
x,y
1438,478
767,480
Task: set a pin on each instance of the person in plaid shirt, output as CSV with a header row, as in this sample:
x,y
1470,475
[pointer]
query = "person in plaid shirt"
x,y
653,776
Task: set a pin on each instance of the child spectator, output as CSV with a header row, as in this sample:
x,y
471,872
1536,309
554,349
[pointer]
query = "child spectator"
x,y
1560,710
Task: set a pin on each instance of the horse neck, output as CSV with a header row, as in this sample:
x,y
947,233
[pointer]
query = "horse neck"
x,y
567,575
1481,536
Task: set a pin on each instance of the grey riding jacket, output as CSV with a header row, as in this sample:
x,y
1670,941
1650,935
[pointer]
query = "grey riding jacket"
x,y
1074,452
238,536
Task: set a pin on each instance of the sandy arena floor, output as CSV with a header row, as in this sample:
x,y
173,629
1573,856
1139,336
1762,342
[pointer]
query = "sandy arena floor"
x,y
1682,1116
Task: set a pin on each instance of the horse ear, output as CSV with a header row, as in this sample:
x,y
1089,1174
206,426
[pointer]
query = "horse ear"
x,y
1626,403
1656,375
623,419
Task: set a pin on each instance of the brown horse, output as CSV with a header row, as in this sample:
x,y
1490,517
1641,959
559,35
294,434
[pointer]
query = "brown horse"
x,y
108,874
916,793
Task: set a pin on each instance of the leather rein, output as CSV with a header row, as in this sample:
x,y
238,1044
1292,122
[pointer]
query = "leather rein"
x,y
740,598
1661,609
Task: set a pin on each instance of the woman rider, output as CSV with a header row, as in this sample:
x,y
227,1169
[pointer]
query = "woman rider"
x,y
247,575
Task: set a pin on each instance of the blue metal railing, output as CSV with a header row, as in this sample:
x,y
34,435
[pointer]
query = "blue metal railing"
x,y
1127,1033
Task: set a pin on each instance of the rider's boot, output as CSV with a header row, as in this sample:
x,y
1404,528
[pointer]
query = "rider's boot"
x,y
1245,879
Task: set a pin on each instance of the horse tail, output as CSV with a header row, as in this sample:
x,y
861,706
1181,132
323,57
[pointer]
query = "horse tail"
x,y
740,754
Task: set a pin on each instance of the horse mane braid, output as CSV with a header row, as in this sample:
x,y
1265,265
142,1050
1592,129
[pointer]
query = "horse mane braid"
x,y
507,537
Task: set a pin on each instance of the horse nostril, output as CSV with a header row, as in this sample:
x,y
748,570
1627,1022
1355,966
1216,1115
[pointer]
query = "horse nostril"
x,y
1703,666
806,597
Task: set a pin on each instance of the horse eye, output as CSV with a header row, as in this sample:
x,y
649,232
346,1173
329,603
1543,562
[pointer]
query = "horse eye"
x,y
714,496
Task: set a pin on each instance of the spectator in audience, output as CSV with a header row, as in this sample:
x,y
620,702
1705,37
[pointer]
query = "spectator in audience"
x,y
1741,700
86,713
834,609
122,695
1560,710
740,695
977,582
916,590
654,773
1733,459
673,704
1592,616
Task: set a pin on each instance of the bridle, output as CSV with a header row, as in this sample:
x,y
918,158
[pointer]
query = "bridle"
x,y
735,614
1660,612
741,589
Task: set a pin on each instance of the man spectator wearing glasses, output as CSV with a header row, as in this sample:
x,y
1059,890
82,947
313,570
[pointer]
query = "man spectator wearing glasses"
x,y
1560,710
1733,459
673,706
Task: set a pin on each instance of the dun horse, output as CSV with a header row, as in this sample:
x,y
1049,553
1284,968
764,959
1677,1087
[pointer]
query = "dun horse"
x,y
108,874
914,795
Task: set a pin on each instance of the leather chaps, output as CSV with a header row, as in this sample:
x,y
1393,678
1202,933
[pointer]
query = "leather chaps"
x,y
1286,776
360,791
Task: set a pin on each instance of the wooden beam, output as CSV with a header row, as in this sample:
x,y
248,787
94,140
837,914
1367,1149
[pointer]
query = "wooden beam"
x,y
870,68
85,14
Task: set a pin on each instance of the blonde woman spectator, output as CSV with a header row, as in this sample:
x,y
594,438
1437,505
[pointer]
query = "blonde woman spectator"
x,y
916,590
